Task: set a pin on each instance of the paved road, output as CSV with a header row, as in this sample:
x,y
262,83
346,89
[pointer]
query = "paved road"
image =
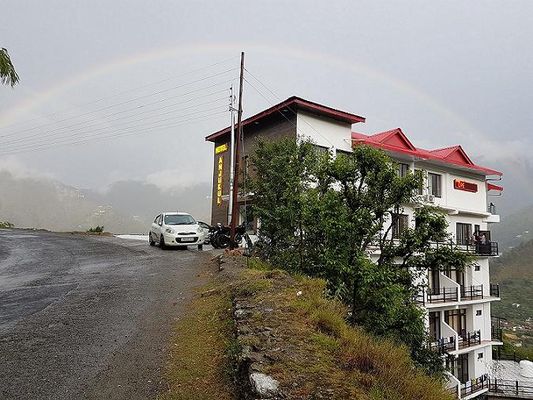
x,y
88,317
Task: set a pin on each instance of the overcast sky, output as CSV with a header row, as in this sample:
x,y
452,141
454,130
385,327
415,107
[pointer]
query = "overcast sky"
x,y
447,73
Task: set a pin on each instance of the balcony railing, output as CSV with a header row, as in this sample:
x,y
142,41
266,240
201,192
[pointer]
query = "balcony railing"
x,y
442,295
468,339
511,388
496,334
494,290
443,345
471,292
481,249
491,208
474,386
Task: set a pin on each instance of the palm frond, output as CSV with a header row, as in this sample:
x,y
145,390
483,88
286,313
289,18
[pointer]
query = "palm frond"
x,y
8,75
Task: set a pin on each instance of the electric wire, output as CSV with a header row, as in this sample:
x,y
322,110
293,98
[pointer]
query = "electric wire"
x,y
152,128
104,120
148,124
125,91
289,108
118,104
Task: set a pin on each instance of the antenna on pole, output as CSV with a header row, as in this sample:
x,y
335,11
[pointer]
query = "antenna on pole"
x,y
237,141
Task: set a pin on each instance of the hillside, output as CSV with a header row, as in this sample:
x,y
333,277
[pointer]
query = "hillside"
x,y
514,229
514,272
125,207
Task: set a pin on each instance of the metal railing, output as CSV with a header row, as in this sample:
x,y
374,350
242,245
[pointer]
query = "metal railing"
x,y
471,292
511,388
496,334
474,386
494,290
483,249
443,345
467,339
442,295
491,208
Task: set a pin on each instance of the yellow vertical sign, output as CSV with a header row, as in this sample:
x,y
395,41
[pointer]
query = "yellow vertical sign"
x,y
220,174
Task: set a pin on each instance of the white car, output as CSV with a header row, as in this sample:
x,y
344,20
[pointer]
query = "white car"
x,y
176,229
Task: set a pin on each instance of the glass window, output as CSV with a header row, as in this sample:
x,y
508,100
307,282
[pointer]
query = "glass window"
x,y
179,219
401,224
420,189
403,169
434,183
463,233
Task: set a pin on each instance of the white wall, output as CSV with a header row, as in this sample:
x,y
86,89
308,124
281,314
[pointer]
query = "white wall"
x,y
324,132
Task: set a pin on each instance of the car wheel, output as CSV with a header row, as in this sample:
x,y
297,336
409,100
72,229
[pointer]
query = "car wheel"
x,y
162,243
200,247
150,240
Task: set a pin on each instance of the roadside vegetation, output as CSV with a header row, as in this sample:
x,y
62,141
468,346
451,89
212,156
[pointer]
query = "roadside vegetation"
x,y
98,229
325,217
6,225
310,348
201,363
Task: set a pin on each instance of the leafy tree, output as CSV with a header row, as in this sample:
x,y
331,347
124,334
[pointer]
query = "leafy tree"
x,y
8,75
338,218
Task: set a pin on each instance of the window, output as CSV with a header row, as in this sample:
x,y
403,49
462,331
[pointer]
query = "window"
x,y
179,219
463,233
479,356
403,169
477,267
456,319
478,313
420,190
401,224
434,183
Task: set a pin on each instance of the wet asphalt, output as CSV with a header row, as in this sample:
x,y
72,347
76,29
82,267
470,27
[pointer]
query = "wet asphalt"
x,y
85,317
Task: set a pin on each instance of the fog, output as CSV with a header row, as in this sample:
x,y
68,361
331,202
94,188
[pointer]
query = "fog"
x,y
115,98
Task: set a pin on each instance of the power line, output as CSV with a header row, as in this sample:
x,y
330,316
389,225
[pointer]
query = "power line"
x,y
86,124
114,135
24,146
121,103
127,91
289,108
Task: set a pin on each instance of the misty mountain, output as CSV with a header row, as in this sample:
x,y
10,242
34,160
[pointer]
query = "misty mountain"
x,y
126,207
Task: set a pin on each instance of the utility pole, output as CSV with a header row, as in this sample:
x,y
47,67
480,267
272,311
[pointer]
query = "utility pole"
x,y
232,110
238,138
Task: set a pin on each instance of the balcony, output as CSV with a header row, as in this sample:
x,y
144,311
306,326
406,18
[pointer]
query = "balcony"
x,y
479,249
496,334
494,290
474,386
439,295
471,292
469,339
443,345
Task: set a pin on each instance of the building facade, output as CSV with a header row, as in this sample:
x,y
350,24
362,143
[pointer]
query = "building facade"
x,y
457,303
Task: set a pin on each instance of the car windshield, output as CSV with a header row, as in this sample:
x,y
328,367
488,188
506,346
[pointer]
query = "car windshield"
x,y
179,220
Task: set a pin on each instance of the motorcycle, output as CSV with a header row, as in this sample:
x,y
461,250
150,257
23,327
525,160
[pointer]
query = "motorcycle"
x,y
220,235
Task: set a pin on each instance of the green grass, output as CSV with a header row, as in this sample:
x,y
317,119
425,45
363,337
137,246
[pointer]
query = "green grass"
x,y
201,365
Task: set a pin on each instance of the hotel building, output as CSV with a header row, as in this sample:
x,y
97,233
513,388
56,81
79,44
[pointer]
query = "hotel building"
x,y
458,303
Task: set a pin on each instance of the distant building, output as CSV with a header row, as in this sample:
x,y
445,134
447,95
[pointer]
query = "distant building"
x,y
458,304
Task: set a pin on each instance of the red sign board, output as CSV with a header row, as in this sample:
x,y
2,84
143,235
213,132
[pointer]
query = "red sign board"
x,y
466,186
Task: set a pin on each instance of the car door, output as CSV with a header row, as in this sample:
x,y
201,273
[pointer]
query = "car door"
x,y
155,227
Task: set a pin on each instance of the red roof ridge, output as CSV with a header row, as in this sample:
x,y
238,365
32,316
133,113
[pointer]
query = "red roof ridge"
x,y
454,155
299,103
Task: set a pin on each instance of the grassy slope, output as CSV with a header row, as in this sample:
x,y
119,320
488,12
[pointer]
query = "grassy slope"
x,y
314,352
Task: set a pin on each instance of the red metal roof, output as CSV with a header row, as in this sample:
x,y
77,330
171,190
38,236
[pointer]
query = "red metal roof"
x,y
491,186
396,141
292,104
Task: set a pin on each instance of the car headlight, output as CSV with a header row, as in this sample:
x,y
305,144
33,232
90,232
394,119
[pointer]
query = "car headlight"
x,y
168,230
199,230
